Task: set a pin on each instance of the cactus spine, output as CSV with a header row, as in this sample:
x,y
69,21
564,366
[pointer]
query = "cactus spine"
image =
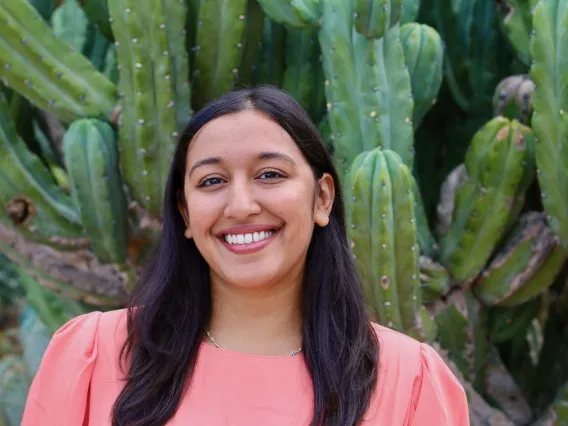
x,y
153,81
549,73
44,69
91,159
383,233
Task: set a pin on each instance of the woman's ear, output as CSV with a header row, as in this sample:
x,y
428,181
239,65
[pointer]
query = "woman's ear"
x,y
183,211
324,201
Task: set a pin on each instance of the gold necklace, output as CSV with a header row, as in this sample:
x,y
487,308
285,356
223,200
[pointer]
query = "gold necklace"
x,y
292,353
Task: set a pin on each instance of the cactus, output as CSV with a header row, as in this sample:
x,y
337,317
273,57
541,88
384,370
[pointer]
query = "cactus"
x,y
219,42
156,95
527,265
383,233
71,25
41,210
549,72
513,98
368,105
496,164
303,74
44,69
424,56
507,322
91,159
254,30
373,18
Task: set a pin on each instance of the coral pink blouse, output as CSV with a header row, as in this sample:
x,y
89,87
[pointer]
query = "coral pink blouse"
x,y
79,380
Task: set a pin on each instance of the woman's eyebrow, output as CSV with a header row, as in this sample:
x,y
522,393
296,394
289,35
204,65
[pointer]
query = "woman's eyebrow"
x,y
262,156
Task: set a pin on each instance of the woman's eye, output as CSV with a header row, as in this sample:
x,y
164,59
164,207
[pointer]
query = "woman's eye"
x,y
210,182
270,175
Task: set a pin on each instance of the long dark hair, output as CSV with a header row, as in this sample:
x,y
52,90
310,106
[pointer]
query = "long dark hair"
x,y
171,304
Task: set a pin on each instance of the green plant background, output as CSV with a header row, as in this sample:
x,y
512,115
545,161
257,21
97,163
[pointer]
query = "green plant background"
x,y
446,118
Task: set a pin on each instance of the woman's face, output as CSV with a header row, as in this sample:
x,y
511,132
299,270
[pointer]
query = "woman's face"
x,y
252,200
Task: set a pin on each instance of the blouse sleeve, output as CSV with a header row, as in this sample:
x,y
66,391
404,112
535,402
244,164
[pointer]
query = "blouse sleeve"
x,y
438,397
59,391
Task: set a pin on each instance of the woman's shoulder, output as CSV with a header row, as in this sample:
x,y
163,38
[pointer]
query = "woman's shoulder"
x,y
415,370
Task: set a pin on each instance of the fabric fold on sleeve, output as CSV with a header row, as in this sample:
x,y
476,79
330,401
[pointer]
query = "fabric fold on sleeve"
x,y
438,398
58,395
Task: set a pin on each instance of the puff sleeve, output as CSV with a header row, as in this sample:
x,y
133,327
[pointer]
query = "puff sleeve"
x,y
437,398
59,391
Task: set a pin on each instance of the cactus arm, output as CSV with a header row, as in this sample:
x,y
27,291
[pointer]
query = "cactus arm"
x,y
383,236
43,69
527,265
219,32
495,166
91,159
153,81
424,57
71,25
375,17
549,73
47,214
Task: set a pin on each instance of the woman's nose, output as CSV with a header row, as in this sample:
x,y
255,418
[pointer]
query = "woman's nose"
x,y
241,200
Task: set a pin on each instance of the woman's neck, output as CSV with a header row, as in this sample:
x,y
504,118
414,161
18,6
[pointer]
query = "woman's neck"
x,y
263,321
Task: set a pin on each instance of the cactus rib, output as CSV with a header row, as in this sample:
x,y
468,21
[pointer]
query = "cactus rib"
x,y
220,33
44,69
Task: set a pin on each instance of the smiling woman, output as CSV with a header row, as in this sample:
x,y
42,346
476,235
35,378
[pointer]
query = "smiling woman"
x,y
250,311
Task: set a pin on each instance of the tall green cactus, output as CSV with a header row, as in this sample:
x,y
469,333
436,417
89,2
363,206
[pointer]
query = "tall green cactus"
x,y
44,69
382,228
368,88
91,159
155,92
496,165
549,72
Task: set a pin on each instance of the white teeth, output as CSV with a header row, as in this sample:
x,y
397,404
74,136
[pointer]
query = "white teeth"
x,y
247,238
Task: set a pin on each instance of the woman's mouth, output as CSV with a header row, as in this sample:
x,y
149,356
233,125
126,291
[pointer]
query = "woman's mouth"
x,y
248,242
